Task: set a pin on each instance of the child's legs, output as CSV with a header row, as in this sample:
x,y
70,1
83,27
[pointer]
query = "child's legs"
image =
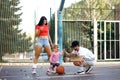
x,y
54,65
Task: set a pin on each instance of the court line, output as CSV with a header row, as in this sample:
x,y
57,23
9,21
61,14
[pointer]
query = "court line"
x,y
1,68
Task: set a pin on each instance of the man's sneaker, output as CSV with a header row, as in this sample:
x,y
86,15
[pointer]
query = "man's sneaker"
x,y
81,72
89,69
33,70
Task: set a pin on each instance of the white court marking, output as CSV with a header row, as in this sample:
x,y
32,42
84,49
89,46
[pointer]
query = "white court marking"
x,y
1,68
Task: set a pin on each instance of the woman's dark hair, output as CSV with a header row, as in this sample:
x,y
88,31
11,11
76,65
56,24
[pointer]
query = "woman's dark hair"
x,y
74,44
42,20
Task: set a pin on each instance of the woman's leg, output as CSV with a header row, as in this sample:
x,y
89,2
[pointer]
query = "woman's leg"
x,y
48,51
38,50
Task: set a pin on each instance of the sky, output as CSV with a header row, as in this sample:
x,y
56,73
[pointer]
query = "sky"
x,y
34,9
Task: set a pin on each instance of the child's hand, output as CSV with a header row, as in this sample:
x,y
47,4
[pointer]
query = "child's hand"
x,y
64,51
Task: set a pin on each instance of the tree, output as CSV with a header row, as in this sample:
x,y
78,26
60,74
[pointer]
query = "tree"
x,y
11,38
88,10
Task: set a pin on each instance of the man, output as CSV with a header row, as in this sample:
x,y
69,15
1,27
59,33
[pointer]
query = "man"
x,y
84,59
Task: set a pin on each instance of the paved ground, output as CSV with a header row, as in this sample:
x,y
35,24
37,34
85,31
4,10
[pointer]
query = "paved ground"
x,y
101,71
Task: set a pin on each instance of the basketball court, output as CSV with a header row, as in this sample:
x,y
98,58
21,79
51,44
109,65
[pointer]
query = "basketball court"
x,y
75,26
101,71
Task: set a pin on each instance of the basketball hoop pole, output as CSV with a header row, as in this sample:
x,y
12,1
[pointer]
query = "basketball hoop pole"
x,y
60,28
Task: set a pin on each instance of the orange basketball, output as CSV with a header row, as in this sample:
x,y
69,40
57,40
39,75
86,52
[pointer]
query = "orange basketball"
x,y
60,70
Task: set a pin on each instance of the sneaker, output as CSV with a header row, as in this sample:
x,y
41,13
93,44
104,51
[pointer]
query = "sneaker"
x,y
33,70
53,71
48,72
90,68
81,72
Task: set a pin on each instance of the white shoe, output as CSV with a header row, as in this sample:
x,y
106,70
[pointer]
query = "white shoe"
x,y
81,72
53,71
89,69
33,70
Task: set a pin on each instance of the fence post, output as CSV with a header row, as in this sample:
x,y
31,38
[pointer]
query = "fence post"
x,y
95,39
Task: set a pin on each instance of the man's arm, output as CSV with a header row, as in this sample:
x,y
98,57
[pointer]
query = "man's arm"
x,y
74,57
69,54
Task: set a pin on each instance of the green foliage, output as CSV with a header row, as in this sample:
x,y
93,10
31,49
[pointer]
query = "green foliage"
x,y
90,9
76,30
11,38
86,10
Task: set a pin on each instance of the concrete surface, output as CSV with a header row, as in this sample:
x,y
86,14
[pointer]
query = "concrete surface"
x,y
101,71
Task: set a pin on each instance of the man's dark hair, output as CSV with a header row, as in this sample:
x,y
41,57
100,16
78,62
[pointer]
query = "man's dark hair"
x,y
74,44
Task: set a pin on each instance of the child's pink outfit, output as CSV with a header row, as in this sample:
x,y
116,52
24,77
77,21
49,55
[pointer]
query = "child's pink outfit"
x,y
54,59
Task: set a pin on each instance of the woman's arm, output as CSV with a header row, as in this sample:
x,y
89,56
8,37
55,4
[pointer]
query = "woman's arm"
x,y
37,31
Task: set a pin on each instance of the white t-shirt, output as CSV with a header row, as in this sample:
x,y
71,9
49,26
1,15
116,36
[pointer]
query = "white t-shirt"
x,y
86,53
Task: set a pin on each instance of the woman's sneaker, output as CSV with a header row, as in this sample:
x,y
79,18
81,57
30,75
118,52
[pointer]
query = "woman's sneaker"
x,y
33,70
48,72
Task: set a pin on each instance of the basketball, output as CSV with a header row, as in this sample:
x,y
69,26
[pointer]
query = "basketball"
x,y
60,70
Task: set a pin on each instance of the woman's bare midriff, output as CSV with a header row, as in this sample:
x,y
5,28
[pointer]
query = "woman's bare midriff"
x,y
43,37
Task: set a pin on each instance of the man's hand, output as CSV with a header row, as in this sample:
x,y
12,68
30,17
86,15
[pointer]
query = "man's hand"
x,y
77,63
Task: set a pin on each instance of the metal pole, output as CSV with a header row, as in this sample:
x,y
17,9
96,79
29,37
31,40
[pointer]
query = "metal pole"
x,y
56,24
50,17
90,33
60,33
95,40
60,27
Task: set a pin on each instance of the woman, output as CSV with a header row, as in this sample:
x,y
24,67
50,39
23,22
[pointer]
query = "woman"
x,y
42,33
